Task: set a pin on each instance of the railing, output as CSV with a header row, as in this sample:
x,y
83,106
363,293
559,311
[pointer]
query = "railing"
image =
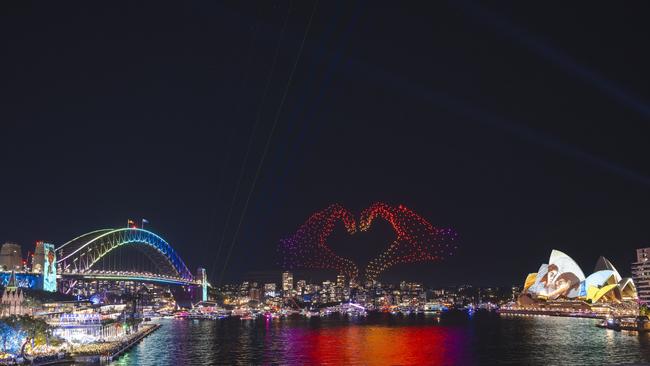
x,y
129,275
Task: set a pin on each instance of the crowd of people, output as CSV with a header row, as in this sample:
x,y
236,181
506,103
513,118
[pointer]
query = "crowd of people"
x,y
104,349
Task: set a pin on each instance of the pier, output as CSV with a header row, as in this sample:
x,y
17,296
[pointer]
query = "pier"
x,y
119,349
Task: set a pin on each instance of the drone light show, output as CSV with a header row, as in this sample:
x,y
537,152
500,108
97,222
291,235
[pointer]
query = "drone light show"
x,y
308,247
416,240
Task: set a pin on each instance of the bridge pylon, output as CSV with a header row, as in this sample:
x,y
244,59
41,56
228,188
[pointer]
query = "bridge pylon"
x,y
202,277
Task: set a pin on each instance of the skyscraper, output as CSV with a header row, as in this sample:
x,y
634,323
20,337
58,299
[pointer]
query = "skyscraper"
x,y
301,286
641,274
340,280
254,294
269,289
287,283
11,257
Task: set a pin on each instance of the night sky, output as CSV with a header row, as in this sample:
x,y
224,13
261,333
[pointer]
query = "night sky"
x,y
524,127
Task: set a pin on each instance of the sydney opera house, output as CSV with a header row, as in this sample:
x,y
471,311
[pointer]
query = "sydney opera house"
x,y
560,287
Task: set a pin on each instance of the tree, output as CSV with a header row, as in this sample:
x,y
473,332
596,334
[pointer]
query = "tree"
x,y
6,331
33,328
11,334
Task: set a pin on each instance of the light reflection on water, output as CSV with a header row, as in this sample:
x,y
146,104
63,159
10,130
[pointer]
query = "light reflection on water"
x,y
382,339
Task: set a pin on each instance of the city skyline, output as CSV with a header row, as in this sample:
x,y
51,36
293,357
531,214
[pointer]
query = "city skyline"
x,y
324,183
164,135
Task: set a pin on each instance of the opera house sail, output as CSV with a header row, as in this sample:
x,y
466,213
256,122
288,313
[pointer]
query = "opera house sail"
x,y
560,287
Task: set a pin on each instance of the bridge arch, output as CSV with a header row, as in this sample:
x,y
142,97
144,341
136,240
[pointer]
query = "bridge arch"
x,y
80,254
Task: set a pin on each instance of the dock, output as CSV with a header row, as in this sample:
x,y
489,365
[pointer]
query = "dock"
x,y
102,358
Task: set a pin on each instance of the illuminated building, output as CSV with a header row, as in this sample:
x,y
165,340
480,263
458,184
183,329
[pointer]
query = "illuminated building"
x,y
301,286
11,257
340,291
561,286
13,299
641,274
244,289
287,283
44,263
340,280
38,259
269,289
254,294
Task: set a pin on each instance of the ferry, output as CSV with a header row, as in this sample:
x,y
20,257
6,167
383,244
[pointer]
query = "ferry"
x,y
434,307
181,315
639,324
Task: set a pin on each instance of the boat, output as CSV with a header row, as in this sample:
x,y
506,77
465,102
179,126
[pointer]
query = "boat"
x,y
181,315
639,324
434,307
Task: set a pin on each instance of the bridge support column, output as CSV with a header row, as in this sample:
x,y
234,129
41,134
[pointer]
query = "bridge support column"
x,y
203,277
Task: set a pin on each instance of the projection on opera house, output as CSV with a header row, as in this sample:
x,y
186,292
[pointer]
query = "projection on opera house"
x,y
561,277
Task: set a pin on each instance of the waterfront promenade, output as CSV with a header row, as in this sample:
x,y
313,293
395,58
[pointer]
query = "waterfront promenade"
x,y
108,351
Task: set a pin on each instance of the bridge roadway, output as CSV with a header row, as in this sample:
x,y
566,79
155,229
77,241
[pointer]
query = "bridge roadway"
x,y
129,276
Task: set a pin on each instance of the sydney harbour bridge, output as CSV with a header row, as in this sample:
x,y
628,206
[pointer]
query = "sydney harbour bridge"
x,y
83,260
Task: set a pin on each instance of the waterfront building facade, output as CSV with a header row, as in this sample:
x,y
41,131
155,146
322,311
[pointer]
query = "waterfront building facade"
x,y
641,274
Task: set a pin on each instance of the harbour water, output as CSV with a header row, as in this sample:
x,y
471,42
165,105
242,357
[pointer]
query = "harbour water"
x,y
385,339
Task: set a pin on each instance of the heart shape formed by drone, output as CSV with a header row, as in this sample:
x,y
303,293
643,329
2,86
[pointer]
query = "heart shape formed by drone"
x,y
416,241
